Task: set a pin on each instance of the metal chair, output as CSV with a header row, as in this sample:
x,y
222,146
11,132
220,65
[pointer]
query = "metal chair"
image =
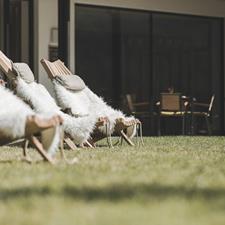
x,y
203,110
136,108
171,105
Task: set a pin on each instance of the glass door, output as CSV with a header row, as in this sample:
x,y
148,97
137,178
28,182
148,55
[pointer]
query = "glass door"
x,y
187,57
113,46
119,51
1,25
18,28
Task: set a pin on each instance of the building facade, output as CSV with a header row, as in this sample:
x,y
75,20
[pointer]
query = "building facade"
x,y
118,47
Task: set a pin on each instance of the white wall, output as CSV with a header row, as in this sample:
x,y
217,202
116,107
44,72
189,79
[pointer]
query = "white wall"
x,y
46,17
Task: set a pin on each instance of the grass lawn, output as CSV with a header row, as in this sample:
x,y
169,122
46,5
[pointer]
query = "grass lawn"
x,y
171,180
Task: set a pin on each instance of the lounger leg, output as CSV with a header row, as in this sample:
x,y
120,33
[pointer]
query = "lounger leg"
x,y
108,135
41,150
141,134
90,141
63,156
25,155
126,138
121,140
89,144
70,143
137,133
26,142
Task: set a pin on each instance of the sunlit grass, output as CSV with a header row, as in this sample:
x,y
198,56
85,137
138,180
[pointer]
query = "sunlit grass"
x,y
171,180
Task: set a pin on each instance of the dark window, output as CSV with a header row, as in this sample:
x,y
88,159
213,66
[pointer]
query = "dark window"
x,y
94,49
18,30
121,51
187,56
1,24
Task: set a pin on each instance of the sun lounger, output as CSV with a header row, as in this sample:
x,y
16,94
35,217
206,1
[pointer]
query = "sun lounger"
x,y
18,120
37,96
71,92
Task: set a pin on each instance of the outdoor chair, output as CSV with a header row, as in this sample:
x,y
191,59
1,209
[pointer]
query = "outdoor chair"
x,y
19,123
136,108
61,76
171,105
203,110
37,96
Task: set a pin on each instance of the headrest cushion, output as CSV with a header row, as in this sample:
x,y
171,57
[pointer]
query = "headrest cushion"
x,y
23,71
71,82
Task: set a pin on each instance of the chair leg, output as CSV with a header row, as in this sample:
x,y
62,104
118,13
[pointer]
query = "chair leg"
x,y
159,125
192,124
183,124
208,125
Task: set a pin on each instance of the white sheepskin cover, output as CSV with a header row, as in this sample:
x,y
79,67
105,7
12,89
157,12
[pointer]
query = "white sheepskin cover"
x,y
42,102
85,102
13,116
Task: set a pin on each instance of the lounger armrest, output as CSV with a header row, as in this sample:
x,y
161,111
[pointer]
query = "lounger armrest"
x,y
201,104
141,104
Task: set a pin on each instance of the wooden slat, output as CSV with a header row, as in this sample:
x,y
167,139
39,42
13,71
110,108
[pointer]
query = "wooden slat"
x,y
55,68
58,68
48,68
5,63
65,69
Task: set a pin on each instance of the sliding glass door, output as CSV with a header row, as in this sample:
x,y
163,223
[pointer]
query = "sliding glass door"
x,y
119,51
134,47
1,25
94,40
113,51
187,56
18,30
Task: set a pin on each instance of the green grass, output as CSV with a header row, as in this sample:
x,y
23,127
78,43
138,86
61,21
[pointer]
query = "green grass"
x,y
171,180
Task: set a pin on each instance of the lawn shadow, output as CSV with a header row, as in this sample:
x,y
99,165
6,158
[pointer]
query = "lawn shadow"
x,y
116,192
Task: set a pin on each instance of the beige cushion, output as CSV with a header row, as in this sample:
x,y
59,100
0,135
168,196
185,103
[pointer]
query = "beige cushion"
x,y
23,71
71,82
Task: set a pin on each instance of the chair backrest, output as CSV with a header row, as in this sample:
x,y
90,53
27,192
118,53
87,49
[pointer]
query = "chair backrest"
x,y
130,103
170,101
211,103
55,68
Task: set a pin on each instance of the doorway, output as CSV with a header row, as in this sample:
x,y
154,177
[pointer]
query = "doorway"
x,y
18,30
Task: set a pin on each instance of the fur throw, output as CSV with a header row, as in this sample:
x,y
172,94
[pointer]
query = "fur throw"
x,y
42,102
85,102
13,115
13,118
